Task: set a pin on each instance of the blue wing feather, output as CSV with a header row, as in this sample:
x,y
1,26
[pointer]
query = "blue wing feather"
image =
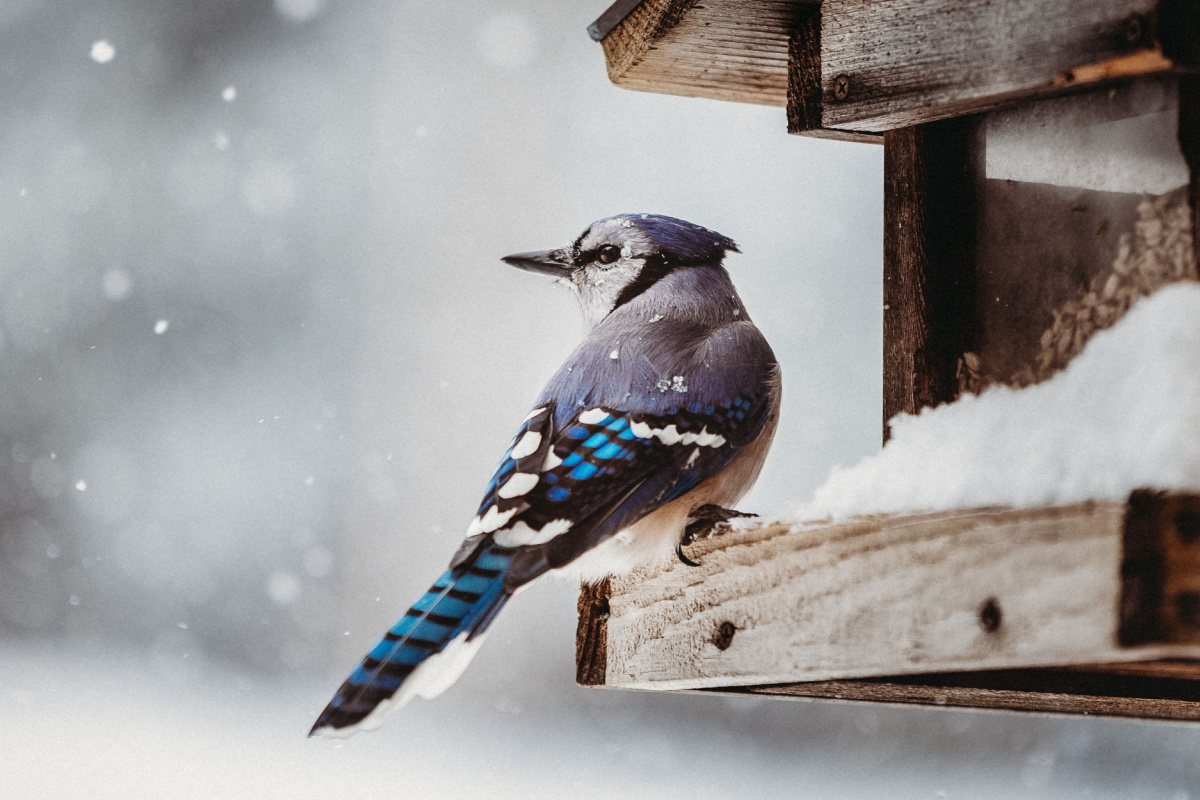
x,y
604,473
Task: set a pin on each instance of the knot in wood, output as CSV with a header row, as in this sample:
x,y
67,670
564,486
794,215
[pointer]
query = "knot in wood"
x,y
724,635
990,616
841,87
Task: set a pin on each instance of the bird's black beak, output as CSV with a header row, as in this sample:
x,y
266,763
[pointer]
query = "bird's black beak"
x,y
556,263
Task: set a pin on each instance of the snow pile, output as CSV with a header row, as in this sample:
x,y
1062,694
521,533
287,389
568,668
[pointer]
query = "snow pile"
x,y
1125,414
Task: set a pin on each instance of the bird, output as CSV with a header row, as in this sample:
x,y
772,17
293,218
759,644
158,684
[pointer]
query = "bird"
x,y
661,418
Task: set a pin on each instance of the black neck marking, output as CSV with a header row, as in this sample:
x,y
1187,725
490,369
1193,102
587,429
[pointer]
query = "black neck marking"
x,y
657,267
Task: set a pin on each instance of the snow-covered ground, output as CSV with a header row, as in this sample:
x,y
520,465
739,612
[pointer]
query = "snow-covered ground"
x,y
87,722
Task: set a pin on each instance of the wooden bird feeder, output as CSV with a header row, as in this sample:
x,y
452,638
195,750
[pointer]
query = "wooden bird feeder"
x,y
1041,174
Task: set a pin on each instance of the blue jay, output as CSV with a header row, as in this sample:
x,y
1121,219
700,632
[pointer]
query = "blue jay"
x,y
664,413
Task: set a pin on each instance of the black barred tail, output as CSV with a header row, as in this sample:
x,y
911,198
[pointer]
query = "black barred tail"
x,y
426,651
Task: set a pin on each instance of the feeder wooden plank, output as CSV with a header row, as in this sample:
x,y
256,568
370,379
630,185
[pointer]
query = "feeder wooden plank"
x,y
898,63
1109,584
720,49
1044,690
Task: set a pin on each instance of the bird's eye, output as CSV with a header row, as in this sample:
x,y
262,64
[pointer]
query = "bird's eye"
x,y
608,254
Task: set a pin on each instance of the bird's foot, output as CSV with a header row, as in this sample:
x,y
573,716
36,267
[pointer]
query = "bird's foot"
x,y
704,523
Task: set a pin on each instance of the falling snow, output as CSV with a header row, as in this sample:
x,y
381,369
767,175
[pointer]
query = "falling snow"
x,y
299,10
161,326
102,51
116,284
283,588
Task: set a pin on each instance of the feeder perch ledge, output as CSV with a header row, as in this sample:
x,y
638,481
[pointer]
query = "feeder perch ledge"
x,y
1086,608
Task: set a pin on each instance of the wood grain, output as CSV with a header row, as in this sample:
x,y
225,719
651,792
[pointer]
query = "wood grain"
x,y
1161,570
804,83
720,49
804,73
591,635
1045,690
962,591
929,316
915,61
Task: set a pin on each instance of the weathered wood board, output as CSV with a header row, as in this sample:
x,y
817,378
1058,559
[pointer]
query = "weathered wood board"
x,y
881,598
722,49
897,63
852,69
1063,691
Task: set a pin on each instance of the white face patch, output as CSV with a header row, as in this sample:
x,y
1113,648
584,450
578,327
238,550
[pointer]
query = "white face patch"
x,y
671,435
527,446
490,521
599,285
593,416
518,485
521,535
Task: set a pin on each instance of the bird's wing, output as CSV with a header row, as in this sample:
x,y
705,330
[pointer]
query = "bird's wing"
x,y
560,492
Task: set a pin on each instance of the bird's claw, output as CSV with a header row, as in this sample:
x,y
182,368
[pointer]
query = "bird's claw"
x,y
682,558
704,523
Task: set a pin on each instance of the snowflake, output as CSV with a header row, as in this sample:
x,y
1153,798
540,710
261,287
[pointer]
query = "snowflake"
x,y
102,51
675,384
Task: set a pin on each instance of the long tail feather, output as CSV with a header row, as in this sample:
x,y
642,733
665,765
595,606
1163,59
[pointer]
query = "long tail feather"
x,y
426,651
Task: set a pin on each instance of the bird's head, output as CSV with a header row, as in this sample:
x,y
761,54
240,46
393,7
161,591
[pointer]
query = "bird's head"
x,y
617,259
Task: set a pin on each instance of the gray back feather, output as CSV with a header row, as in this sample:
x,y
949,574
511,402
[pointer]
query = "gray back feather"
x,y
685,340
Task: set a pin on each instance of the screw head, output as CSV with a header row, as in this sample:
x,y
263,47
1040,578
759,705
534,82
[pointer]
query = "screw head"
x,y
841,87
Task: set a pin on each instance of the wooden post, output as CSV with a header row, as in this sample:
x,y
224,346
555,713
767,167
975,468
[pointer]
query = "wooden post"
x,y
1179,32
1189,144
804,72
928,263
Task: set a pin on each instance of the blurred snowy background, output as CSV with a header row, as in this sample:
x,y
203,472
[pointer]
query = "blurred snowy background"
x,y
258,358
